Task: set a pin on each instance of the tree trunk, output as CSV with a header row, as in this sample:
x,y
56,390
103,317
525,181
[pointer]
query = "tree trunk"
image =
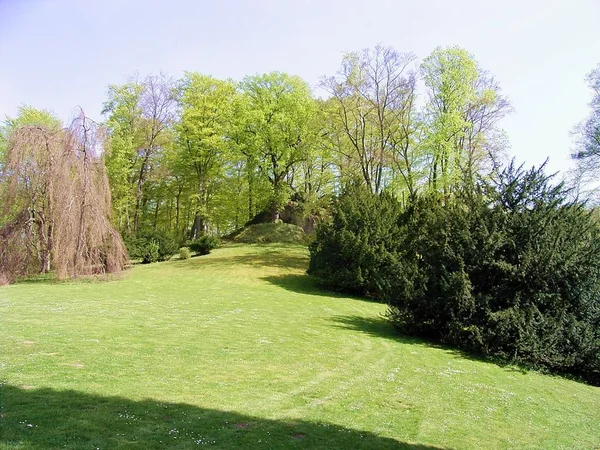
x,y
199,227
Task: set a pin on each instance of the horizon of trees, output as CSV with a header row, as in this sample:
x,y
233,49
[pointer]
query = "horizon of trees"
x,y
204,155
200,154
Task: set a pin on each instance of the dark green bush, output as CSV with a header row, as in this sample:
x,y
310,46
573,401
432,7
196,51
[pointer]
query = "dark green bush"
x,y
151,252
355,252
204,244
509,269
151,246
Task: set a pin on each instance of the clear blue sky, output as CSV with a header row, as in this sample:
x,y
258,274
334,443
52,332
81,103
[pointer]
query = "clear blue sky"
x,y
56,54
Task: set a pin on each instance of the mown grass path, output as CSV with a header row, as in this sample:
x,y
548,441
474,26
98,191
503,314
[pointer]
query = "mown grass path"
x,y
238,349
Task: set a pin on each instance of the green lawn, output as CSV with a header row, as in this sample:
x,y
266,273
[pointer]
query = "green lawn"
x,y
238,349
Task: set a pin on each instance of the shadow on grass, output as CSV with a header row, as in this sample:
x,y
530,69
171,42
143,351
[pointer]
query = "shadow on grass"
x,y
305,284
383,328
46,418
373,326
300,284
379,327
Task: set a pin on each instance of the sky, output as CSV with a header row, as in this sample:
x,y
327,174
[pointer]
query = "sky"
x,y
60,54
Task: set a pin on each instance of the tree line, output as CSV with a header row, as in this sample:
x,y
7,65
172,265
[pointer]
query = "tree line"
x,y
201,155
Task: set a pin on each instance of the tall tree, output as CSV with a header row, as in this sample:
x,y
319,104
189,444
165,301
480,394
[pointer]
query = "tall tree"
x,y
317,171
464,105
140,116
280,109
374,96
206,115
587,153
55,212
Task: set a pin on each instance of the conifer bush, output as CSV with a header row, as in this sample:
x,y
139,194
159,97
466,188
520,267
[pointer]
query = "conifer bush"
x,y
204,244
354,252
151,246
508,269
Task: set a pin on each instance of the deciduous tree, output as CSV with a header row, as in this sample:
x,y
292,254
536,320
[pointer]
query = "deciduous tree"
x,y
140,117
280,109
56,208
206,116
587,152
374,97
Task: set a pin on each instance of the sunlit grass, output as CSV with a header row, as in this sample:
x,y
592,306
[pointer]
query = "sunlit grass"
x,y
238,349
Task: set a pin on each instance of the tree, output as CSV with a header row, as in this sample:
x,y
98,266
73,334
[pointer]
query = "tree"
x,y
315,178
26,115
56,205
587,153
354,252
508,269
140,118
206,115
464,105
244,143
374,94
279,110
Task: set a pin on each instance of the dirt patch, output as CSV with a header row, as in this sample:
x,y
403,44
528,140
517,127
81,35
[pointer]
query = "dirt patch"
x,y
242,425
299,436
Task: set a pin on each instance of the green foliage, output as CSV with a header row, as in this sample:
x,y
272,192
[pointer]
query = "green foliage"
x,y
151,246
371,117
509,270
184,253
267,233
140,115
151,252
26,116
355,252
279,114
460,134
203,152
204,244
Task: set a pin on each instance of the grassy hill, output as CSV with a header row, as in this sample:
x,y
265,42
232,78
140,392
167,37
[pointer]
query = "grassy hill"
x,y
238,349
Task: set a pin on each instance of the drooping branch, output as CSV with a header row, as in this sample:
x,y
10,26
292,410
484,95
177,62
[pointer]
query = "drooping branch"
x,y
56,204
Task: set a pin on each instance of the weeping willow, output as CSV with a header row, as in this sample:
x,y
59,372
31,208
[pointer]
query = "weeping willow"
x,y
55,204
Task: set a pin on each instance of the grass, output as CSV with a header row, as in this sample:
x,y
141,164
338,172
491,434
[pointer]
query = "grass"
x,y
238,349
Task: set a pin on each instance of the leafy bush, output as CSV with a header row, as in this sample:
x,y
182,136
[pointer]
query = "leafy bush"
x,y
151,252
184,253
204,244
267,233
509,269
143,246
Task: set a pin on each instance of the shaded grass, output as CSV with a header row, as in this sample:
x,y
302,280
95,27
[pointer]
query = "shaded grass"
x,y
77,420
242,337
